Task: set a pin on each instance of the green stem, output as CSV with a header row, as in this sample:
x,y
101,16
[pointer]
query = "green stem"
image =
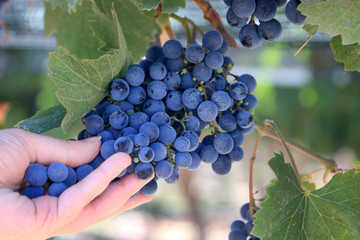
x,y
196,27
292,161
185,25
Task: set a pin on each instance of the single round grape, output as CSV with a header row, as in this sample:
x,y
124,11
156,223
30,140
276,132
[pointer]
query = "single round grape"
x,y
161,118
152,106
33,192
212,40
72,176
238,137
195,161
243,8
244,119
249,36
94,124
228,62
128,131
187,80
237,234
126,106
83,170
238,91
167,134
56,189
105,135
159,150
119,89
174,100
124,144
192,123
207,111
149,189
208,154
144,170
201,72
214,60
208,140
57,172
172,49
194,53
36,175
157,71
237,154
218,84
249,81
141,140
163,169
234,20
270,30
183,159
154,52
135,75
237,224
174,65
224,48
174,177
182,144
191,98
107,149
137,95
146,154
265,10
138,119
222,165
172,81
249,102
227,122
222,100
157,90
223,143
118,120
294,15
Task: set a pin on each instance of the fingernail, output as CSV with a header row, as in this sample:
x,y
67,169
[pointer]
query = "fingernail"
x,y
93,139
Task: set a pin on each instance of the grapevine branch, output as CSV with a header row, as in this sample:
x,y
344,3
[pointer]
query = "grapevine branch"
x,y
213,17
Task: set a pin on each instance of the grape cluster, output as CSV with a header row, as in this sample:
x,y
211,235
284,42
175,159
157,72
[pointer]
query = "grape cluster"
x,y
54,179
269,29
158,109
241,230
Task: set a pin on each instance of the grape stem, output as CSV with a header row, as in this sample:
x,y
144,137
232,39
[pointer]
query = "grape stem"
x,y
185,23
213,17
296,53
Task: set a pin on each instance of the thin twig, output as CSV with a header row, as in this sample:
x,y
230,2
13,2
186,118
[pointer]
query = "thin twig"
x,y
213,17
302,46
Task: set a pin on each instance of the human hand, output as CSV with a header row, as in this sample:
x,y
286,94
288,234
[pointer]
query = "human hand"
x,y
78,207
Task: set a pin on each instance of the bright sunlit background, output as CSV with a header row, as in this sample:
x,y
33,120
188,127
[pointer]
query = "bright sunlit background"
x,y
310,97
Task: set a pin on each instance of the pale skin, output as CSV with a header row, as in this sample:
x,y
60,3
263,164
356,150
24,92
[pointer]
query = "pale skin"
x,y
84,204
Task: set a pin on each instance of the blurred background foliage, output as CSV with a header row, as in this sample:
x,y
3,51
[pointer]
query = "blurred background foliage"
x,y
310,97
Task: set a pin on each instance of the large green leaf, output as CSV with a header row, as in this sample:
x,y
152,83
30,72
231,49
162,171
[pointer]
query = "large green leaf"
x,y
44,120
81,84
73,30
69,5
334,17
288,212
139,30
347,54
168,6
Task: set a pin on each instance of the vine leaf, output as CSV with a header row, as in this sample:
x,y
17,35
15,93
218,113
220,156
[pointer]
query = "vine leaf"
x,y
288,212
44,120
311,29
69,5
168,6
334,17
347,54
81,84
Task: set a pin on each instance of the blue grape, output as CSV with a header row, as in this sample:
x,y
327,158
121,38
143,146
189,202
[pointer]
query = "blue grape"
x,y
214,60
174,177
237,154
105,135
238,137
83,170
72,177
201,72
161,118
237,234
174,65
163,169
224,47
152,106
212,40
218,84
174,100
280,3
128,131
167,134
243,8
222,100
227,122
36,175
172,49
194,139
238,91
126,107
249,81
145,64
159,150
292,14
203,125
249,36
194,53
115,133
182,144
161,60
149,189
81,135
248,130
207,111
265,10
131,168
138,119
33,192
228,2
249,226
222,165
144,170
244,119
141,140
183,159
56,189
135,75
157,90
192,123
208,140
157,71
195,161
244,209
118,120
101,107
228,62
191,98
223,143
187,80
94,124
95,163
137,95
107,149
124,144
237,224
154,52
57,172
119,89
234,20
146,154
208,154
108,110
249,102
172,81
270,30
92,112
